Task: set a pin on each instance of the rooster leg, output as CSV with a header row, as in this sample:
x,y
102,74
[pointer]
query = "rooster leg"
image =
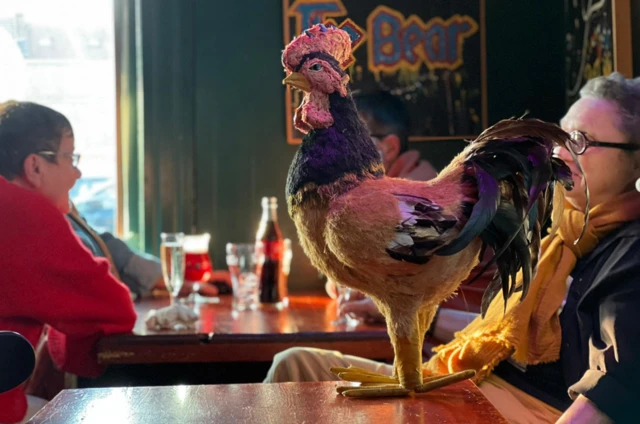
x,y
408,366
408,348
408,362
425,317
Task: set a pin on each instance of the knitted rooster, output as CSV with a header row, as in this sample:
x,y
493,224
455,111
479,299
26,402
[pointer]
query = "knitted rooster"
x,y
409,244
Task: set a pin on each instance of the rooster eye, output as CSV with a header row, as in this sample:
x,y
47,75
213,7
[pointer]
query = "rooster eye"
x,y
315,67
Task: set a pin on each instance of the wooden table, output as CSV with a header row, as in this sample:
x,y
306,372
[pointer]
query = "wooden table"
x,y
223,335
265,403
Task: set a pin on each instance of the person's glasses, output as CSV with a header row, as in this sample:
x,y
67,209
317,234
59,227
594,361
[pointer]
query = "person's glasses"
x,y
580,142
75,157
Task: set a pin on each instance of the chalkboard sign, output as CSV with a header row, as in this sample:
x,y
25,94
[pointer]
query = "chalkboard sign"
x,y
430,53
598,42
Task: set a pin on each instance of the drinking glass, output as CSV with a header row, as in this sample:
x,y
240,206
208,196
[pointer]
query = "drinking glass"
x,y
198,267
172,259
287,257
344,295
243,264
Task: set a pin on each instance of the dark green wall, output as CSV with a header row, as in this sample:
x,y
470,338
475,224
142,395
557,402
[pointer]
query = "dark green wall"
x,y
241,149
169,117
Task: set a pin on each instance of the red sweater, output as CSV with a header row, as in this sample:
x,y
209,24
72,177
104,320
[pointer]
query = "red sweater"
x,y
48,277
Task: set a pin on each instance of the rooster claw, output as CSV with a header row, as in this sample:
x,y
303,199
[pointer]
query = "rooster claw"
x,y
374,391
361,375
436,382
372,384
379,385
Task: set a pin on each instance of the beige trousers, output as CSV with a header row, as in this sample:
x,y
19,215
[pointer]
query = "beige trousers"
x,y
307,364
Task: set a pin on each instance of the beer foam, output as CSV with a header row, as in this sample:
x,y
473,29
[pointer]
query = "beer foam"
x,y
196,243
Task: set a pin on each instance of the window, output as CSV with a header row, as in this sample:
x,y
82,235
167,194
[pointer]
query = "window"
x,y
61,53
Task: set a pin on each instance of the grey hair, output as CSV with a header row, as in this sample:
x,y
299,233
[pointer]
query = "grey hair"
x,y
625,94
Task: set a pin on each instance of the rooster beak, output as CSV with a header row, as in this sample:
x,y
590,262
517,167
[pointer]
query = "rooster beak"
x,y
297,80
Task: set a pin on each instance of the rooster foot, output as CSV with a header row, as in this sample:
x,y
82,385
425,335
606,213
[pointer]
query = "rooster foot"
x,y
378,385
372,384
390,390
438,381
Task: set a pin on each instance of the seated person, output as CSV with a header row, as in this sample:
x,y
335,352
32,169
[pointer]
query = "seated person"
x,y
387,119
49,279
569,351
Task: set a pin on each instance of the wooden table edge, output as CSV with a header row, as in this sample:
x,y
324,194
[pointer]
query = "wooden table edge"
x,y
235,351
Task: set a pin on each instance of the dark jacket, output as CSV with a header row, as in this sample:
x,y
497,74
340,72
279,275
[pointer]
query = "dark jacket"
x,y
600,355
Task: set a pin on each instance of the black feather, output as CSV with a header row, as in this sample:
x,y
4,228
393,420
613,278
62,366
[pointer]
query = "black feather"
x,y
482,214
515,172
490,292
422,230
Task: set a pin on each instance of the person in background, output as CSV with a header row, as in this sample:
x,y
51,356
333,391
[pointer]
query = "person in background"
x,y
387,119
568,352
51,284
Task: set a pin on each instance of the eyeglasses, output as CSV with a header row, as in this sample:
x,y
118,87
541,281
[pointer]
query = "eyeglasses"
x,y
75,157
580,142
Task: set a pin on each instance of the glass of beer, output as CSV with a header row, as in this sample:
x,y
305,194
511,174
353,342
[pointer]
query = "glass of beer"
x,y
198,268
172,258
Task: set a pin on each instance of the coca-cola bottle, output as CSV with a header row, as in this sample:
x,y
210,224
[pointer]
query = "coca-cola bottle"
x,y
270,251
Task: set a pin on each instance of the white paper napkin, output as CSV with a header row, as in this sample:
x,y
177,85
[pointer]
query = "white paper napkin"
x,y
174,317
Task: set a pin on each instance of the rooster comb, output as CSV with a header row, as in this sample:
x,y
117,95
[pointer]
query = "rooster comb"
x,y
316,39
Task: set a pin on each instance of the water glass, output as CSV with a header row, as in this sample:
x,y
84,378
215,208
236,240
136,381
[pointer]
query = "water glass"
x,y
172,259
243,264
344,295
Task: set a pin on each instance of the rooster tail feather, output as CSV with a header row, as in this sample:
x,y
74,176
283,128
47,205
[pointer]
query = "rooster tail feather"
x,y
514,171
482,214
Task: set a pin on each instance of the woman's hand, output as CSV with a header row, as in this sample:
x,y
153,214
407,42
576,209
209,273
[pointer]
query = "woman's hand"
x,y
582,410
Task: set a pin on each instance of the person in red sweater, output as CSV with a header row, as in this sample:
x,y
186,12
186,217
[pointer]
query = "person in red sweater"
x,y
48,278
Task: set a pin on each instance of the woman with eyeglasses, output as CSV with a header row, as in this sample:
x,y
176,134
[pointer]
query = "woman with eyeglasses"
x,y
575,351
51,284
570,352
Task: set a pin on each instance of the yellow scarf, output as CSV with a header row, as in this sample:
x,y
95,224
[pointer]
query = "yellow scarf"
x,y
530,330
